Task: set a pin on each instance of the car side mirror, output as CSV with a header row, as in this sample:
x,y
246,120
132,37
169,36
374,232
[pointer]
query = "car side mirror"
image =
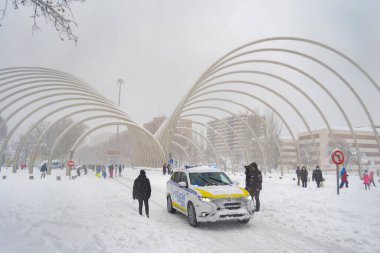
x,y
182,184
236,183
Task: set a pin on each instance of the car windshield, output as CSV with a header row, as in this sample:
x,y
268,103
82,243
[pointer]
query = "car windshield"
x,y
209,178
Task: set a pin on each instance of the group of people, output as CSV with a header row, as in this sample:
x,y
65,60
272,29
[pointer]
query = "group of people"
x,y
302,175
101,170
368,179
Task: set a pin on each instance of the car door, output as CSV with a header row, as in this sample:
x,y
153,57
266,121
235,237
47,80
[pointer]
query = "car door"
x,y
183,195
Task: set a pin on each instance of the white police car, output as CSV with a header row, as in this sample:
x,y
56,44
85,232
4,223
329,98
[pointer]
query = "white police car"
x,y
207,194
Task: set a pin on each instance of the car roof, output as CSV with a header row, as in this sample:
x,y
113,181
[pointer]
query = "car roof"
x,y
198,169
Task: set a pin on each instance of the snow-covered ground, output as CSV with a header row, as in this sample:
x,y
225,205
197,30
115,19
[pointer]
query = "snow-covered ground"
x,y
89,214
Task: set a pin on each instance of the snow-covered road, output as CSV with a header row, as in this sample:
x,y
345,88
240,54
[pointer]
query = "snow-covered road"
x,y
95,215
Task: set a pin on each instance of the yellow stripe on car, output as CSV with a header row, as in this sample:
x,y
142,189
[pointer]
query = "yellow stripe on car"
x,y
207,194
175,204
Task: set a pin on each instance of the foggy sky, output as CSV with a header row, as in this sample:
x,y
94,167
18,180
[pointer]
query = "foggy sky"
x,y
160,48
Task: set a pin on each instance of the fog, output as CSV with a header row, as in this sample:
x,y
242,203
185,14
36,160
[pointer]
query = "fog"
x,y
160,48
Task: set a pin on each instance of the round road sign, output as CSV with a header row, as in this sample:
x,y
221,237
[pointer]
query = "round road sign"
x,y
337,157
70,163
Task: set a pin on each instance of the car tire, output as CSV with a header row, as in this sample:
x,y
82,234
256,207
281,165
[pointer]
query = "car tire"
x,y
169,205
244,221
192,215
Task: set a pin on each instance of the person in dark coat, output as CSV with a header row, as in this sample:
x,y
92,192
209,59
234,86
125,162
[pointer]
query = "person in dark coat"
x,y
298,172
317,176
142,191
119,170
253,182
304,174
164,169
43,170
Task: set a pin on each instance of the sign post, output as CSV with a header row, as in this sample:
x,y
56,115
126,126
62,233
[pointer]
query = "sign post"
x,y
70,164
337,158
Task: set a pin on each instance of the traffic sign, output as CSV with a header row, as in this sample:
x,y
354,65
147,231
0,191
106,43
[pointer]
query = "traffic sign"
x,y
70,163
337,157
171,161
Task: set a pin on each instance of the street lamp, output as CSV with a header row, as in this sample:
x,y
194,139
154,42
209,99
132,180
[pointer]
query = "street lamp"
x,y
119,82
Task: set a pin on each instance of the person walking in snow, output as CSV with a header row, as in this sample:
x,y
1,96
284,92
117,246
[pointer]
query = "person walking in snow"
x,y
343,178
110,170
43,170
304,175
164,169
104,172
142,192
317,176
366,180
371,175
98,171
298,173
119,170
253,182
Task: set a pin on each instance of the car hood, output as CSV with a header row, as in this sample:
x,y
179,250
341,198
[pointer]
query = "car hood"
x,y
225,191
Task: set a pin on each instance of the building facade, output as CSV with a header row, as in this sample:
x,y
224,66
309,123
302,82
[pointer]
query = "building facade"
x,y
320,152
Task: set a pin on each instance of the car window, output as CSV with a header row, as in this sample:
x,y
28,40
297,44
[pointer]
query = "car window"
x,y
173,176
184,178
209,178
176,177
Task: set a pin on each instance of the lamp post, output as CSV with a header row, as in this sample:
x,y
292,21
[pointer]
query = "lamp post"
x,y
119,82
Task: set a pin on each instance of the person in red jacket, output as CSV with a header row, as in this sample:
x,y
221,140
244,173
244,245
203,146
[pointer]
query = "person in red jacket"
x,y
343,178
371,178
366,180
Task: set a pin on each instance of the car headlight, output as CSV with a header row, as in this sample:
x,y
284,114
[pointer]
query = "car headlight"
x,y
204,199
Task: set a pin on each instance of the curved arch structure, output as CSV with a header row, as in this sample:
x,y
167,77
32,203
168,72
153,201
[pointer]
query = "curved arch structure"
x,y
26,93
244,65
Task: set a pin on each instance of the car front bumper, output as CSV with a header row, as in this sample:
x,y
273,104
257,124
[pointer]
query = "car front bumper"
x,y
223,210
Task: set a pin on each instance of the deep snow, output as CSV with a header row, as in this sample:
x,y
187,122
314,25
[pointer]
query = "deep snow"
x,y
89,214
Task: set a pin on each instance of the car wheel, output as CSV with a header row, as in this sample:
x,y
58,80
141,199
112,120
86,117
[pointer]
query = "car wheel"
x,y
192,215
169,205
244,221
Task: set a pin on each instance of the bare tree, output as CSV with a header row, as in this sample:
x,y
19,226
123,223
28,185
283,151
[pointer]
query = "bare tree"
x,y
65,145
56,12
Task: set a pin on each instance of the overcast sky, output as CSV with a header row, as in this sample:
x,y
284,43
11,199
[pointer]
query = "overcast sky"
x,y
160,47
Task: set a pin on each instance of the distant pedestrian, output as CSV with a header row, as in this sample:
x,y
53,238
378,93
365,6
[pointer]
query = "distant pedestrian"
x,y
304,175
98,171
119,170
43,170
142,192
298,173
343,178
317,176
110,170
254,181
371,175
78,171
104,172
164,169
366,180
115,169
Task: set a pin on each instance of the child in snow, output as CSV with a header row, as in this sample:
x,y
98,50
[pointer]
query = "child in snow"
x,y
104,172
366,180
98,169
371,178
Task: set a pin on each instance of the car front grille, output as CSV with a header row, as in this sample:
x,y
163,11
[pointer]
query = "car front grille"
x,y
232,205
